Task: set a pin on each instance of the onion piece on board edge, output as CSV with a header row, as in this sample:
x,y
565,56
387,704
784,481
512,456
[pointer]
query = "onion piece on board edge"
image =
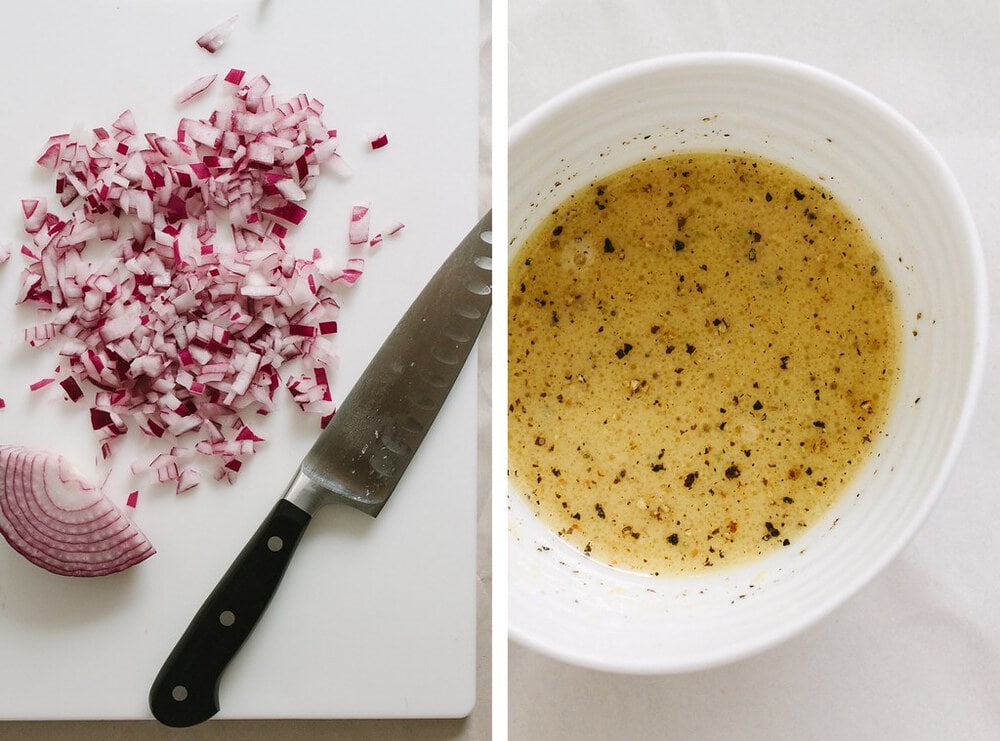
x,y
57,520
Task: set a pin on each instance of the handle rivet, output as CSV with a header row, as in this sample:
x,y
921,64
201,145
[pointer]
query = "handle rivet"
x,y
227,617
275,544
179,693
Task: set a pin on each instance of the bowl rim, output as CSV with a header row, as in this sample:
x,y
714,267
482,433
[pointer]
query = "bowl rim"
x,y
977,296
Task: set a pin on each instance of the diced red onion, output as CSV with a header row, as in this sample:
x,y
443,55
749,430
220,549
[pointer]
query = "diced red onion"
x,y
350,274
178,332
35,211
291,190
289,212
247,434
59,521
338,165
358,232
49,157
213,39
72,388
194,89
188,479
379,140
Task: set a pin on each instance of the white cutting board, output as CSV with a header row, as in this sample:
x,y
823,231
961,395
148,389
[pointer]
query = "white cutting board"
x,y
375,618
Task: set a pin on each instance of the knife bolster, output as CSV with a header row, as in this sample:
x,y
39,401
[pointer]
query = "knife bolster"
x,y
306,494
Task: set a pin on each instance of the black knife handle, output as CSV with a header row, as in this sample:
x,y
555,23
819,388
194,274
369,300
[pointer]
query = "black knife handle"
x,y
186,691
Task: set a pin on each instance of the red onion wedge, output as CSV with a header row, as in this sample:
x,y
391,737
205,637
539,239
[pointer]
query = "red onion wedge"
x,y
56,519
213,39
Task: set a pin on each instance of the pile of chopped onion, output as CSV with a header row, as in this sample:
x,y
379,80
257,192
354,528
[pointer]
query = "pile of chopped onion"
x,y
182,326
57,520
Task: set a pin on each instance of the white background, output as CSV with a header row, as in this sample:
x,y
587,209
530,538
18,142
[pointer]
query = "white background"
x,y
916,654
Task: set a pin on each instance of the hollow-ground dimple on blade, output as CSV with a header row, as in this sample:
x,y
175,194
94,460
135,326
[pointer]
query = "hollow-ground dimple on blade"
x,y
365,449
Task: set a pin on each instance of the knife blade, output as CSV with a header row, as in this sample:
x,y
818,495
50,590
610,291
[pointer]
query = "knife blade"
x,y
358,460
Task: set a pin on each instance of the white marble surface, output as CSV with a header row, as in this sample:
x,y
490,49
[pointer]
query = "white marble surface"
x,y
916,654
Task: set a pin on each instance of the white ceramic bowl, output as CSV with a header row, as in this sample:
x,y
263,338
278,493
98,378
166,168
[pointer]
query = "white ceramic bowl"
x,y
572,608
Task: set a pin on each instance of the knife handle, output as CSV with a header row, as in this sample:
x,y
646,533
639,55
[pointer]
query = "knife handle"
x,y
186,691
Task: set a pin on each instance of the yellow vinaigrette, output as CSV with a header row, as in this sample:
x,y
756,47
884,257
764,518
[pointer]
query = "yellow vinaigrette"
x,y
702,349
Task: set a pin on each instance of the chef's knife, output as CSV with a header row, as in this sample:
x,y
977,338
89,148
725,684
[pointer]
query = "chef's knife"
x,y
357,460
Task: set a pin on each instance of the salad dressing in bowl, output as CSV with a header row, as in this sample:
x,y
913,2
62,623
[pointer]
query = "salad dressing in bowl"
x,y
702,349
